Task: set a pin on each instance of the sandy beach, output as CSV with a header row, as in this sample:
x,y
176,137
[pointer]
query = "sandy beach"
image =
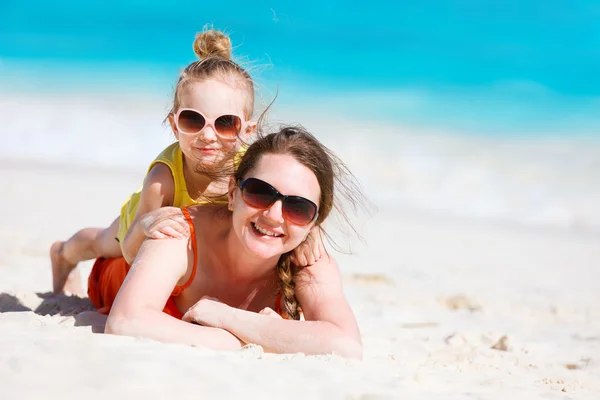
x,y
448,308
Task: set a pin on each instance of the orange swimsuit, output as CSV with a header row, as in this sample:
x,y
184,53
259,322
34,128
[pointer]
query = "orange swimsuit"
x,y
108,274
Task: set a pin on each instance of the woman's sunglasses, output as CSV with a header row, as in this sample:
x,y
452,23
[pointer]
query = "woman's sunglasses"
x,y
190,121
259,194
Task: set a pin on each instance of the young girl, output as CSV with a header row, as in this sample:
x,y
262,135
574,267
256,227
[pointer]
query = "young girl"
x,y
211,119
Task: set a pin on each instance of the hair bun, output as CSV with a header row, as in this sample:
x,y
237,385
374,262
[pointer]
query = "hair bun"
x,y
212,43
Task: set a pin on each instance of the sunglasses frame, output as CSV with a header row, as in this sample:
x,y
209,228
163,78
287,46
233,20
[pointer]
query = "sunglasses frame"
x,y
278,196
209,122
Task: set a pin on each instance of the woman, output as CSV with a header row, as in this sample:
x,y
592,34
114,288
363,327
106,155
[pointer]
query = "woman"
x,y
240,255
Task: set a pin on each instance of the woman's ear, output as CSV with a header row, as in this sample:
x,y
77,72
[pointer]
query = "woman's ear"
x,y
171,119
231,193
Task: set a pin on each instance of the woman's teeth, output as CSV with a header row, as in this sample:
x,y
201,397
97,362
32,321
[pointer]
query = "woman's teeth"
x,y
265,231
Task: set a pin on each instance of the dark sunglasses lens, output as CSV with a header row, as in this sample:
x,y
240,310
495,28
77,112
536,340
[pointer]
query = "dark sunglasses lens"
x,y
258,194
228,125
191,121
299,211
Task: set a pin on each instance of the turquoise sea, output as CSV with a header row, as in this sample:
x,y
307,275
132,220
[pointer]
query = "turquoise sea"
x,y
496,67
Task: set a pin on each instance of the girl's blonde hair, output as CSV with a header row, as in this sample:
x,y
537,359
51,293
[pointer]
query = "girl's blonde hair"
x,y
213,49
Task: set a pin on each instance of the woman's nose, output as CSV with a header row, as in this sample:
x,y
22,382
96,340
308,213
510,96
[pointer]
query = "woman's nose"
x,y
275,212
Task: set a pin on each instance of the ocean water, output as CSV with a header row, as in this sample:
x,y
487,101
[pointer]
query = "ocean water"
x,y
486,110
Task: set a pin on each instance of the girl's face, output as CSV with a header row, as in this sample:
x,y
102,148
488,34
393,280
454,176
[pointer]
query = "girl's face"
x,y
268,232
213,99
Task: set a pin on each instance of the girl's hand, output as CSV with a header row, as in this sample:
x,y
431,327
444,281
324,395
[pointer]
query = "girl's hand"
x,y
310,250
165,222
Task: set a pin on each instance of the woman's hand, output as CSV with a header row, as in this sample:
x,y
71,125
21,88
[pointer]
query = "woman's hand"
x,y
165,222
208,311
269,312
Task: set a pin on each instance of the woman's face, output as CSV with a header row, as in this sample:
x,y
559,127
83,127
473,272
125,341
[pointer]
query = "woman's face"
x,y
212,98
265,232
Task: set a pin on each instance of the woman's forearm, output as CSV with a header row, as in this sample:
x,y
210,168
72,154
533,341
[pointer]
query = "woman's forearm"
x,y
156,325
288,336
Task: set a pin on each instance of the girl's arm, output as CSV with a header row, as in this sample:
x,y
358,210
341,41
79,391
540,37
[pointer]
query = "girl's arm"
x,y
158,191
137,309
310,250
329,326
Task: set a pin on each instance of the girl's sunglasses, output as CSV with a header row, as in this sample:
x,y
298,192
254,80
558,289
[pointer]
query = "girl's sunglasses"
x,y
190,121
259,194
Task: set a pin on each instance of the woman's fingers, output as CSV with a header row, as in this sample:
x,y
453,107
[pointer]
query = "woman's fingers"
x,y
210,298
269,312
188,316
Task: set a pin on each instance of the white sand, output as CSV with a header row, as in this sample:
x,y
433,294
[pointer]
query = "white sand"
x,y
432,295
